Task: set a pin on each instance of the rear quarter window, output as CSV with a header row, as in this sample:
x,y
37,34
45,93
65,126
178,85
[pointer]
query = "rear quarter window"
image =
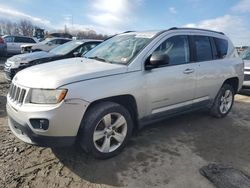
x,y
8,39
221,48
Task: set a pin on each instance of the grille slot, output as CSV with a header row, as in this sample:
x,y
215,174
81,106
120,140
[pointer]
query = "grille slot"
x,y
247,77
17,94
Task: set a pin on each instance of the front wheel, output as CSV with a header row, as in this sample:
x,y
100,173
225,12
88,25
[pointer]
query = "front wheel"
x,y
223,102
105,130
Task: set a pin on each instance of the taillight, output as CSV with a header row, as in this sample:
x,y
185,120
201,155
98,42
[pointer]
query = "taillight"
x,y
1,41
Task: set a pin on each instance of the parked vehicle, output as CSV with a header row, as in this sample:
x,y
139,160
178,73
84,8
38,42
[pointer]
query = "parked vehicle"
x,y
3,48
46,45
14,43
129,80
66,50
246,57
241,49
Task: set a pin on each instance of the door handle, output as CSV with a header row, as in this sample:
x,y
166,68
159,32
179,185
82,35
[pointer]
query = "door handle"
x,y
188,71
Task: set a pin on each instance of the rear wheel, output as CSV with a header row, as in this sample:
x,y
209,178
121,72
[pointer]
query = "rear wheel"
x,y
105,130
223,102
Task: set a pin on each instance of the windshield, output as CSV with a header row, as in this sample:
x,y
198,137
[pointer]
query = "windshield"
x,y
66,47
120,49
246,54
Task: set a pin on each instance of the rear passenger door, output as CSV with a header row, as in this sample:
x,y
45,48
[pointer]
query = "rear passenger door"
x,y
170,88
210,68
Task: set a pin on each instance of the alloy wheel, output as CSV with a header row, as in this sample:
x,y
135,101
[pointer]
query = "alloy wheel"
x,y
226,101
110,132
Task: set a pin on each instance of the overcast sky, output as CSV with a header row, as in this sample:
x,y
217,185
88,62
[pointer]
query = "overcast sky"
x,y
113,16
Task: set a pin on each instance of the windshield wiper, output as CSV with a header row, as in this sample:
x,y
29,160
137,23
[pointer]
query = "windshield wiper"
x,y
99,59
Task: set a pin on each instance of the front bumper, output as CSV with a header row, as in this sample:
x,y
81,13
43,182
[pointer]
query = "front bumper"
x,y
64,122
24,133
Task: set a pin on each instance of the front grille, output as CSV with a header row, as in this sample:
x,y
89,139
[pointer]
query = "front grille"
x,y
247,77
17,94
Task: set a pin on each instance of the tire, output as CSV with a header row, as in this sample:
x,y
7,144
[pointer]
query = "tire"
x,y
223,102
101,119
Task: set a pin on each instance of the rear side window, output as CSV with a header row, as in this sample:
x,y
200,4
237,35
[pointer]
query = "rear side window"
x,y
203,48
221,48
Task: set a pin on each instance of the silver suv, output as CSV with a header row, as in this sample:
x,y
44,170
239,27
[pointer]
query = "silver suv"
x,y
14,43
128,81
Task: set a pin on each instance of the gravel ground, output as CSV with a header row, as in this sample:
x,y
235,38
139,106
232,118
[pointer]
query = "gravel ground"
x,y
167,154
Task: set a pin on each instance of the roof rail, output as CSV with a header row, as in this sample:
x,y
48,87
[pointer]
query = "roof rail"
x,y
118,34
198,29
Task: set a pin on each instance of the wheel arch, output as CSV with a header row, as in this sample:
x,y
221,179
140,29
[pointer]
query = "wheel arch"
x,y
128,101
234,82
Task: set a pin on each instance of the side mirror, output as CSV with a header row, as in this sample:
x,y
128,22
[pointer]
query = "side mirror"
x,y
49,43
156,60
76,54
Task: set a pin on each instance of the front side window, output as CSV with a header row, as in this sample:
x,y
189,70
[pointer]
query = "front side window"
x,y
176,48
30,40
246,54
203,48
120,49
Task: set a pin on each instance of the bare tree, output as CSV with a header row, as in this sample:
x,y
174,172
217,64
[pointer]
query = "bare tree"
x,y
16,30
8,27
26,27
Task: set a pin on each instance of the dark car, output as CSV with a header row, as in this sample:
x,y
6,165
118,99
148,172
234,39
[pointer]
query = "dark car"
x,y
70,49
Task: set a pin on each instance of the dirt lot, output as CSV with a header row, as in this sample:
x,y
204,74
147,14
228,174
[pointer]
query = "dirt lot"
x,y
167,154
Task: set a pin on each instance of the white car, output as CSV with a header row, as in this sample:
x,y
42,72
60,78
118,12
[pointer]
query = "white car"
x,y
14,43
246,57
46,45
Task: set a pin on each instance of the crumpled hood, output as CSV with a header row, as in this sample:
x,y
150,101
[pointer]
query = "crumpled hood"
x,y
25,58
55,74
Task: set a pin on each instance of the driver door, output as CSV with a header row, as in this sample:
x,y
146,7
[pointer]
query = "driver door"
x,y
171,87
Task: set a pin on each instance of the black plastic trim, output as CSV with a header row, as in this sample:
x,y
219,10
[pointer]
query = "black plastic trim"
x,y
44,141
196,29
